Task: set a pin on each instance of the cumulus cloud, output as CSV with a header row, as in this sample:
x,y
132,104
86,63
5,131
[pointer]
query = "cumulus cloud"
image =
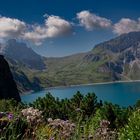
x,y
54,27
36,35
11,28
126,25
91,21
57,26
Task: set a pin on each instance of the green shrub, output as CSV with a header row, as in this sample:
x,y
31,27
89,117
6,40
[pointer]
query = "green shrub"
x,y
73,108
116,115
87,128
12,128
131,131
19,121
10,106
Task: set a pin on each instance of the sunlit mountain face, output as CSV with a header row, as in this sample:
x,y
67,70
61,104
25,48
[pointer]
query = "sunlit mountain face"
x,y
73,43
115,60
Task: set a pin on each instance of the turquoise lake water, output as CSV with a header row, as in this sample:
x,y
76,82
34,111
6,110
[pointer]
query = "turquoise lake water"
x,y
123,94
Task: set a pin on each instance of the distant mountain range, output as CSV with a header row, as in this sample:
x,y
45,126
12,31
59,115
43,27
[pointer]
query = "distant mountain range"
x,y
23,61
116,59
113,60
21,53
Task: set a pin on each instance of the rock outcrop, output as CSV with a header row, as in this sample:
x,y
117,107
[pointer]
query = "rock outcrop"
x,y
23,54
8,88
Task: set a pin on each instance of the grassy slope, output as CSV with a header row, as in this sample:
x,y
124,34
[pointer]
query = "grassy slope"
x,y
75,69
72,70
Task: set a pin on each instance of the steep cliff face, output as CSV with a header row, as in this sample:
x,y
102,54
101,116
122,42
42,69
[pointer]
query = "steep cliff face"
x,y
8,88
23,54
116,59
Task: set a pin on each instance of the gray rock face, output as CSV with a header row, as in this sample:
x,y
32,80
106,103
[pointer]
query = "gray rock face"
x,y
8,88
119,56
121,43
23,54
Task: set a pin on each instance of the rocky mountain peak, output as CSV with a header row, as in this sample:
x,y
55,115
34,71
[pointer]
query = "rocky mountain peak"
x,y
23,54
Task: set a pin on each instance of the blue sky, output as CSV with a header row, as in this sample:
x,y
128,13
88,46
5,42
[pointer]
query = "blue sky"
x,y
98,20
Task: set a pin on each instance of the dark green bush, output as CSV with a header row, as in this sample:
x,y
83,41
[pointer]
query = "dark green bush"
x,y
83,110
67,108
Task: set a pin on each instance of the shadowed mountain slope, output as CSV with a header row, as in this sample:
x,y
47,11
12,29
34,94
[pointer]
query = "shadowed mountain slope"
x,y
8,88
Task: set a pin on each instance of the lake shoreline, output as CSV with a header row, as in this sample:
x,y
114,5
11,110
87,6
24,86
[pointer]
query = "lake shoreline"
x,y
101,83
123,93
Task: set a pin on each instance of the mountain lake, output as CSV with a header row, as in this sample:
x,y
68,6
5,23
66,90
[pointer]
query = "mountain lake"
x,y
121,93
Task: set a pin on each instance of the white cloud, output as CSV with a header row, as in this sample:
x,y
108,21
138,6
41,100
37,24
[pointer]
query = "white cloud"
x,y
11,28
54,27
57,26
36,35
126,25
91,21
